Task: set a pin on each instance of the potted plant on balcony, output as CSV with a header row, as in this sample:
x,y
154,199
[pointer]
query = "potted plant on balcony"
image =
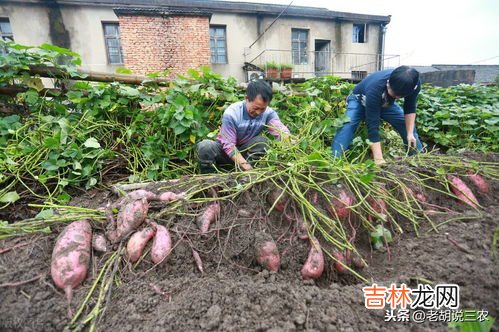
x,y
272,70
286,71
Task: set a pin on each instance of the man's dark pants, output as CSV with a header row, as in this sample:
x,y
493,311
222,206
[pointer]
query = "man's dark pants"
x,y
211,153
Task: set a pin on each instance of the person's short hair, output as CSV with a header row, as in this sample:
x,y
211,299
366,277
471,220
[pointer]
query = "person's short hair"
x,y
259,87
404,81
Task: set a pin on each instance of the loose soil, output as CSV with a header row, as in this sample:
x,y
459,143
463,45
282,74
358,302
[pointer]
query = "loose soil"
x,y
235,294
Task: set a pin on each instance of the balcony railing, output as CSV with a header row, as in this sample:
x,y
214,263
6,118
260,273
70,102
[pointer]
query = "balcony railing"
x,y
320,63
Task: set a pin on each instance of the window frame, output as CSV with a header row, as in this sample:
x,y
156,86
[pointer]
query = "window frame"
x,y
215,39
299,56
4,35
356,36
114,37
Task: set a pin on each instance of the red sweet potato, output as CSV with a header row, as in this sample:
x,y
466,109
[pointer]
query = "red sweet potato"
x,y
276,195
266,252
161,245
339,257
314,265
138,242
99,243
71,257
208,216
131,216
462,191
171,196
479,182
357,262
302,228
417,195
340,206
141,193
197,260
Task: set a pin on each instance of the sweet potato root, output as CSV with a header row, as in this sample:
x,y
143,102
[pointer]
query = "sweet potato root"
x,y
314,265
138,242
340,206
479,182
416,194
99,243
339,257
131,216
170,196
462,191
208,216
276,196
266,252
71,257
161,245
302,228
141,193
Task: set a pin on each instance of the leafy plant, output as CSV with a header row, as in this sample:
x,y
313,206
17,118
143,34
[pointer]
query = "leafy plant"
x,y
473,325
460,117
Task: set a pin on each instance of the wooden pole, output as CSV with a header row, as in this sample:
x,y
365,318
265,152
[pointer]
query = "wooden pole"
x,y
87,75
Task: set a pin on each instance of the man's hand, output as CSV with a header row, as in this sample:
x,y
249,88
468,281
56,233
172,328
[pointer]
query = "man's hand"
x,y
411,140
379,161
245,166
288,140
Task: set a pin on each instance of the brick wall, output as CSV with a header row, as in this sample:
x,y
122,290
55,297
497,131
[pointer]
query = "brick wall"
x,y
155,43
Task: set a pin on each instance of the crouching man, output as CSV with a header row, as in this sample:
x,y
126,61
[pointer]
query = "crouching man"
x,y
239,142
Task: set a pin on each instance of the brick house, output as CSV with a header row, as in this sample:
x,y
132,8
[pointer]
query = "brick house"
x,y
234,38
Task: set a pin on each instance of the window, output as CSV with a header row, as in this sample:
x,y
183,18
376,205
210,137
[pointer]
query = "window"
x,y
358,75
218,44
359,33
299,46
113,44
5,33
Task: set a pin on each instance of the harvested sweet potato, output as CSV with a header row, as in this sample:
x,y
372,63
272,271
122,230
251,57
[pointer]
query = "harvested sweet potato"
x,y
339,257
462,191
340,206
208,216
99,242
279,198
141,193
416,194
479,182
266,252
302,228
161,245
170,196
71,257
357,262
138,242
131,216
314,265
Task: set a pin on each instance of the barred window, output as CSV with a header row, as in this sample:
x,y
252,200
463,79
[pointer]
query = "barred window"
x,y
359,33
5,33
299,46
218,44
113,43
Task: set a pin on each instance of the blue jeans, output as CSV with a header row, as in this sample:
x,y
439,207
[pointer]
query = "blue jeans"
x,y
394,115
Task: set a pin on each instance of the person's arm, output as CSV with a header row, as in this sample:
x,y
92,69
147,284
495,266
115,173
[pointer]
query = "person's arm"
x,y
228,138
373,119
410,115
275,127
410,121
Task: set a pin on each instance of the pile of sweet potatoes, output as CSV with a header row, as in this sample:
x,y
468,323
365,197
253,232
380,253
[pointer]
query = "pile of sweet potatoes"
x,y
72,250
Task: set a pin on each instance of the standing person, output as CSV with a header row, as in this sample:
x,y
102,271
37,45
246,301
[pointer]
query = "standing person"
x,y
374,99
239,142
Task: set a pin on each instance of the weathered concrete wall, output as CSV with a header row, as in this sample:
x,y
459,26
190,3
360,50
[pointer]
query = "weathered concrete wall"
x,y
445,78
